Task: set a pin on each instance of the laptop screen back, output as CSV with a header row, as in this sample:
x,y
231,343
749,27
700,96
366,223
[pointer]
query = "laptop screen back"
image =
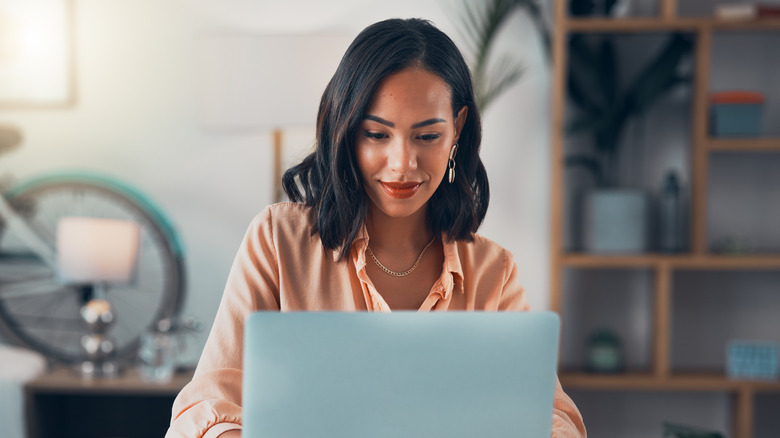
x,y
401,374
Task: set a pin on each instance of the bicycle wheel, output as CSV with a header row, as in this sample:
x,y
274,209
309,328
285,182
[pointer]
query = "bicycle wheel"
x,y
43,313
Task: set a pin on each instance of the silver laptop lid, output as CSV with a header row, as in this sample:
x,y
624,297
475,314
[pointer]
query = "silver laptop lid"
x,y
401,374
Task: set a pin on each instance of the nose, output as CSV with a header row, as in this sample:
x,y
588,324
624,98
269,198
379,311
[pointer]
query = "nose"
x,y
401,156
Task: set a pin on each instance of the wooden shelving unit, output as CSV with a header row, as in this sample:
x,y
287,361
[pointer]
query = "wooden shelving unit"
x,y
660,377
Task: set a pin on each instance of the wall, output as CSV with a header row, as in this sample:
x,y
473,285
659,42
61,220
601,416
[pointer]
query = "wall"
x,y
136,118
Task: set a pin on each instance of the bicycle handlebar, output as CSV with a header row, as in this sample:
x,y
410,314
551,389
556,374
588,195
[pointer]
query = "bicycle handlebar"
x,y
10,136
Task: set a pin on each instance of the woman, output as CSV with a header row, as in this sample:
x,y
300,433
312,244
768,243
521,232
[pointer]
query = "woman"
x,y
384,216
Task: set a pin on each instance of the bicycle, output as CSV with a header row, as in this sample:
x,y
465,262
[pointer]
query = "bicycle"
x,y
39,311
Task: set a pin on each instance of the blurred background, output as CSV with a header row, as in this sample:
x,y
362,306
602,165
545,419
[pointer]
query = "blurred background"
x,y
161,96
138,112
633,170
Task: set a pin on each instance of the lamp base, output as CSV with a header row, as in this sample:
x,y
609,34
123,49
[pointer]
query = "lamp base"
x,y
97,347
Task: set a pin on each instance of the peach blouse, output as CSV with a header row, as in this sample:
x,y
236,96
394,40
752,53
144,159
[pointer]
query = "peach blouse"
x,y
280,266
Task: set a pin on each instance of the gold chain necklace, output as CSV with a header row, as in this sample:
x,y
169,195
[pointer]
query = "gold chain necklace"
x,y
406,272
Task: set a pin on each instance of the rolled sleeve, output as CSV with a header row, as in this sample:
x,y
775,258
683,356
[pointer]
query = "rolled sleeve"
x,y
211,403
567,420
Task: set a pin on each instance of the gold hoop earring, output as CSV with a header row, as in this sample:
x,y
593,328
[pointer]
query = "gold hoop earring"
x,y
451,163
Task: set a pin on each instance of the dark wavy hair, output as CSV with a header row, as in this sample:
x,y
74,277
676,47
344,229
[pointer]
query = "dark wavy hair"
x,y
329,180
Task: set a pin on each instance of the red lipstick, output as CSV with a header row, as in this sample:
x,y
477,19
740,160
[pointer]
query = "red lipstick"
x,y
400,190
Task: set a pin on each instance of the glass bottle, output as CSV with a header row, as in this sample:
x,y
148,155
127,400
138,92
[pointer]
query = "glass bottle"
x,y
670,215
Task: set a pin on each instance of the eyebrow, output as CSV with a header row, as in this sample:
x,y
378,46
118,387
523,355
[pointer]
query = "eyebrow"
x,y
416,125
427,122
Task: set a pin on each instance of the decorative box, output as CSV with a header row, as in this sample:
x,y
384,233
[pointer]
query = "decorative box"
x,y
736,113
752,360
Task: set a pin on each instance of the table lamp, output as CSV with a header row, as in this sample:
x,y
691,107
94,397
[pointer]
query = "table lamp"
x,y
253,82
93,253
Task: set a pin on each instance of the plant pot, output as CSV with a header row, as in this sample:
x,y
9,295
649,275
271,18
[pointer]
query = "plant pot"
x,y
615,221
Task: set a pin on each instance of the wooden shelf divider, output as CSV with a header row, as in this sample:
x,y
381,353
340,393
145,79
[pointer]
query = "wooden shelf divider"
x,y
668,9
559,47
662,320
743,412
700,158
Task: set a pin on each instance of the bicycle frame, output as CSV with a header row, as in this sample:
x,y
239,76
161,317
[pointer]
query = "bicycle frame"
x,y
18,226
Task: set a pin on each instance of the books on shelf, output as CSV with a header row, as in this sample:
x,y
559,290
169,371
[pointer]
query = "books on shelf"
x,y
747,10
736,97
736,113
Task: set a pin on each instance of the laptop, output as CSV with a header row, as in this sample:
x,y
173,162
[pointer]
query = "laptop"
x,y
400,374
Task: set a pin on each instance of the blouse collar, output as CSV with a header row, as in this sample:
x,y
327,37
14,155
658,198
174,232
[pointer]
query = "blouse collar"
x,y
451,265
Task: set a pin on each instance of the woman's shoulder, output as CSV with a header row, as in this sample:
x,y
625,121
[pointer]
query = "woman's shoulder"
x,y
283,211
284,217
482,248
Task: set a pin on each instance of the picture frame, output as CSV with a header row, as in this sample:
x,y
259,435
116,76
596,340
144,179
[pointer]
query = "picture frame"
x,y
37,68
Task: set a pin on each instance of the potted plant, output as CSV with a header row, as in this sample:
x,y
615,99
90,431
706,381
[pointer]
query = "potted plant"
x,y
615,218
480,22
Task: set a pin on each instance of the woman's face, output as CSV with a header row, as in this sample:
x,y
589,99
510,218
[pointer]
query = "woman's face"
x,y
403,143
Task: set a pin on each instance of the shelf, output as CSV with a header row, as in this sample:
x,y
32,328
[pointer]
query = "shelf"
x,y
582,260
598,25
653,261
744,145
677,382
65,381
762,24
759,262
632,24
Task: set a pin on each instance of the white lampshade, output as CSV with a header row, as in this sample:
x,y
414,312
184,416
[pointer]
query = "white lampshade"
x,y
251,81
92,250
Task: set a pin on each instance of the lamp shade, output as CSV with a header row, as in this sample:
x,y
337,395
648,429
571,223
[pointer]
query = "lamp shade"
x,y
94,250
253,81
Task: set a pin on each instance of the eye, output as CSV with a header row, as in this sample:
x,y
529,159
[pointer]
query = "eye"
x,y
375,135
429,137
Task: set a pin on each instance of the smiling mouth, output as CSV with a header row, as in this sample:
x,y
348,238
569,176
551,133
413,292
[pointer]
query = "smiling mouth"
x,y
400,190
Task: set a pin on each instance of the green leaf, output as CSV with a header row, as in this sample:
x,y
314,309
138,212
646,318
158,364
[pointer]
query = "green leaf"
x,y
504,74
608,70
585,122
659,76
583,75
480,22
535,13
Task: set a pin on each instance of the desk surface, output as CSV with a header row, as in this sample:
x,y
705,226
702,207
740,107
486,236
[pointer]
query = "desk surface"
x,y
65,381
